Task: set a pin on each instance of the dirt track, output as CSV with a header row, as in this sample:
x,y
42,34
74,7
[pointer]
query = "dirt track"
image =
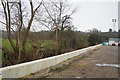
x,y
84,66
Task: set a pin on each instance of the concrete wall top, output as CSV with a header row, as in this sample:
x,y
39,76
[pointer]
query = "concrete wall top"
x,y
47,62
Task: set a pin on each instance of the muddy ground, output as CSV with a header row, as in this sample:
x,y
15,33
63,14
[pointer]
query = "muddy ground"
x,y
84,65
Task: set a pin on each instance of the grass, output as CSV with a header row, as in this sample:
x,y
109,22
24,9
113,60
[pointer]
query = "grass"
x,y
44,76
50,45
55,69
0,55
7,45
95,49
1,50
91,52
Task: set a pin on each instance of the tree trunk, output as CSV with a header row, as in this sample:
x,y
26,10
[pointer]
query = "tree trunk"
x,y
57,42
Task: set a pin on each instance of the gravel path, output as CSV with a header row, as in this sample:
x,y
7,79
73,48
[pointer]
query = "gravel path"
x,y
84,66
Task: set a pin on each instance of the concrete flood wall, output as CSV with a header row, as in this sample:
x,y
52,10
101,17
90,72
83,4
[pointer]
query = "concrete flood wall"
x,y
24,69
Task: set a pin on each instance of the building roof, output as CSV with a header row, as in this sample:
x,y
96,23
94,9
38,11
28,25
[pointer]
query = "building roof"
x,y
114,39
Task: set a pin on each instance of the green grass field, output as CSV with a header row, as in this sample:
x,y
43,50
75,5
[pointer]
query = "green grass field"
x,y
50,45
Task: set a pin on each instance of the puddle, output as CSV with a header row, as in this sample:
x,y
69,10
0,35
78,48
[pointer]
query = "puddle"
x,y
111,65
77,77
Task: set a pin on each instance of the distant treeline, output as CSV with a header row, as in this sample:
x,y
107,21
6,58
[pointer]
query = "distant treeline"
x,y
52,33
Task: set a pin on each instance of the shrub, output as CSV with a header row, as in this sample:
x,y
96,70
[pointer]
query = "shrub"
x,y
94,38
82,42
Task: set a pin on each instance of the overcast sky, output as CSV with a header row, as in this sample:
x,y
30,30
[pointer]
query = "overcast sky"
x,y
95,14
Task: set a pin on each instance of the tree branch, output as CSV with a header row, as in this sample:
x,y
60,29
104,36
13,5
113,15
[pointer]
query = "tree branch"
x,y
3,23
49,13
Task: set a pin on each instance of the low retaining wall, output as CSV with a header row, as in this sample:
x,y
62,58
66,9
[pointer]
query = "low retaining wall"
x,y
21,70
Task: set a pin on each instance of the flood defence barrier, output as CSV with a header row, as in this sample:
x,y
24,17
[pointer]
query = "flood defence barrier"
x,y
24,69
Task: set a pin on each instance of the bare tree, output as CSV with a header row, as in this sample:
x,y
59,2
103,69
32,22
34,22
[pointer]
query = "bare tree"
x,y
29,25
58,14
7,14
13,14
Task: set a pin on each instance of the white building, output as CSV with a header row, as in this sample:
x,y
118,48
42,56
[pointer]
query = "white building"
x,y
114,41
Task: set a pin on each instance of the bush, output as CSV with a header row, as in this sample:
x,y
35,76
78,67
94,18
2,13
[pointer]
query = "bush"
x,y
94,38
73,43
82,42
